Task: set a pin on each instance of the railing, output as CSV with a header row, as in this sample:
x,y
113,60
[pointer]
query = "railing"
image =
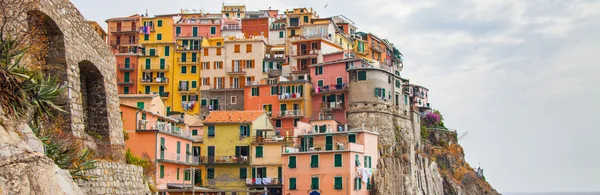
x,y
307,52
224,159
164,94
376,47
232,28
188,35
188,48
338,146
155,80
263,181
188,60
155,67
124,29
279,26
148,54
333,105
236,70
275,56
294,24
126,67
268,139
290,96
181,158
331,88
123,81
122,42
289,113
163,127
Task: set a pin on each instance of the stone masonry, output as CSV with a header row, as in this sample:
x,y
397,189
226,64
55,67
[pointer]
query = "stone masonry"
x,y
115,178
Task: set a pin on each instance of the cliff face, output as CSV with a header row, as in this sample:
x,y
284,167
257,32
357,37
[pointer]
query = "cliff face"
x,y
409,164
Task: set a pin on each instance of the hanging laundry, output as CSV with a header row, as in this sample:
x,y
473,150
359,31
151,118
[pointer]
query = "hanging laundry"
x,y
259,181
267,181
248,180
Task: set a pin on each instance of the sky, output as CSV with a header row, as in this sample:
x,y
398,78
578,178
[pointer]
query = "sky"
x,y
519,77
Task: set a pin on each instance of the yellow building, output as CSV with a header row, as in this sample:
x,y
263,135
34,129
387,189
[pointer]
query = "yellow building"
x,y
232,11
157,72
228,136
266,162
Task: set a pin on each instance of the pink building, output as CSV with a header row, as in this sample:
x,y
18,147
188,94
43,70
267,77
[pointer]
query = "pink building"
x,y
330,94
198,25
419,100
327,158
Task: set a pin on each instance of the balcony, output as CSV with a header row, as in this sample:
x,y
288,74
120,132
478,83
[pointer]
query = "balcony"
x,y
126,67
224,160
125,81
123,42
275,57
188,60
288,114
321,148
231,28
259,182
188,35
163,127
155,81
155,54
290,97
127,51
377,48
331,89
268,139
124,29
236,70
155,68
188,48
187,90
333,105
163,94
185,159
188,105
294,24
274,72
305,53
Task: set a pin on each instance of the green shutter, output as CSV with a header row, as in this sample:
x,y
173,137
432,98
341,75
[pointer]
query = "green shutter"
x,y
337,183
352,138
368,183
127,62
314,184
140,105
159,37
366,161
259,151
162,171
194,56
203,102
177,174
193,69
356,161
178,148
243,173
280,34
213,30
195,31
194,84
167,50
146,37
253,172
362,75
292,183
314,161
210,173
159,23
183,69
152,52
162,63
338,160
148,62
292,162
178,30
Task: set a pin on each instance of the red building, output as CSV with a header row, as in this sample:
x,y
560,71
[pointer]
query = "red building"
x,y
123,38
256,26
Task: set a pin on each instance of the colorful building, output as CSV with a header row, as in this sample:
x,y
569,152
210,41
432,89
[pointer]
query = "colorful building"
x,y
166,141
328,158
228,142
123,39
232,23
256,23
419,100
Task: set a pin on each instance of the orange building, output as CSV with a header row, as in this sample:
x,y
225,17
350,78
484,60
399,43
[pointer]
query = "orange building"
x,y
124,43
256,23
327,158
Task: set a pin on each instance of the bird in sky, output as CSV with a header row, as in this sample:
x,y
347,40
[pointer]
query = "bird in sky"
x,y
326,5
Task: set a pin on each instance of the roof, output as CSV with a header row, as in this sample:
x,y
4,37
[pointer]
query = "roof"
x,y
138,95
152,113
233,116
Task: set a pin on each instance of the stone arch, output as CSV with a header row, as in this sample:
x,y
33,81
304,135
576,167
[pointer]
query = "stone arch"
x,y
93,101
47,39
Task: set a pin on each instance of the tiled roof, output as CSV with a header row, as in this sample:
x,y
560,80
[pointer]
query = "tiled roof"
x,y
232,116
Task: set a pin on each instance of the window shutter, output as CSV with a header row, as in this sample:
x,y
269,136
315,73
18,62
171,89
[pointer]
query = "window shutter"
x,y
338,160
356,161
162,171
292,183
338,183
292,162
243,173
253,172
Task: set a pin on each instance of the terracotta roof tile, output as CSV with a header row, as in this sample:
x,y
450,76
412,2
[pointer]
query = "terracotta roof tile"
x,y
233,116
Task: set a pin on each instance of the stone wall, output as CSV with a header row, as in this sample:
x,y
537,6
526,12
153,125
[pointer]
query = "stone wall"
x,y
224,97
115,178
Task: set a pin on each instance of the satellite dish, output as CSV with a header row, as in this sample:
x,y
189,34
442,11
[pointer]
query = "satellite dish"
x,y
329,35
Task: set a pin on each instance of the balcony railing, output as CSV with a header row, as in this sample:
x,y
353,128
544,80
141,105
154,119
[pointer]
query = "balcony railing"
x,y
125,50
126,67
122,42
162,127
188,35
155,80
224,159
290,96
275,56
123,29
305,52
181,158
188,60
331,88
263,181
164,94
123,81
338,146
376,47
268,139
333,105
155,68
232,28
288,113
236,70
187,90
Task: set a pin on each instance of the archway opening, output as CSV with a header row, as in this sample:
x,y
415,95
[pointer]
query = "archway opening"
x,y
93,101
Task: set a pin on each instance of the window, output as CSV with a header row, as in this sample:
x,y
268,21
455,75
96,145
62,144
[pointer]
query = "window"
x,y
193,69
389,78
211,131
167,50
146,37
152,52
244,130
177,174
337,160
357,183
233,100
314,183
210,173
368,183
187,175
248,48
213,30
178,30
352,138
236,48
337,183
356,161
158,36
205,51
243,173
319,70
320,83
218,65
278,123
205,81
159,23
305,19
195,132
314,161
398,85
194,83
249,63
293,32
362,75
273,90
162,171
259,151
125,90
292,162
183,69
255,91
203,102
205,65
296,122
280,34
292,183
405,99
218,51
